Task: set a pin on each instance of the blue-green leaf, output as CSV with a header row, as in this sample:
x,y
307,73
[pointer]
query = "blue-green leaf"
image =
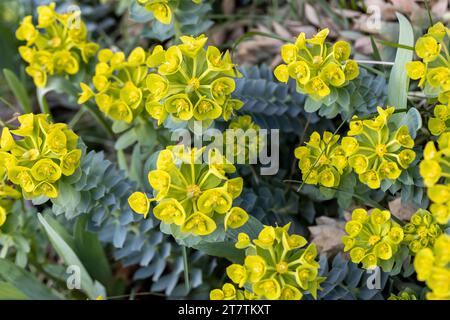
x,y
88,286
25,282
399,80
311,105
9,292
18,89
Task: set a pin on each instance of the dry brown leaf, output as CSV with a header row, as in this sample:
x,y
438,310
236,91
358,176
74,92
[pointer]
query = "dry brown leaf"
x,y
364,45
228,6
405,6
440,8
311,15
280,30
346,13
297,28
400,210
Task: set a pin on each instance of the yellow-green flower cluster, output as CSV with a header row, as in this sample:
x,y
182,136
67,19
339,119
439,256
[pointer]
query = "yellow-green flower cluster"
x,y
316,66
372,237
421,231
121,84
162,9
433,266
39,156
440,123
230,292
191,82
277,266
56,45
7,195
190,194
7,192
243,135
433,70
378,152
435,171
404,295
322,161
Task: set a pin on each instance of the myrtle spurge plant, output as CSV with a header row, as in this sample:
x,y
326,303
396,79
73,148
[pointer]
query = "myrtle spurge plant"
x,y
191,82
322,161
277,266
433,72
433,266
317,66
162,9
372,238
193,196
161,201
380,151
120,83
37,154
422,231
435,170
57,44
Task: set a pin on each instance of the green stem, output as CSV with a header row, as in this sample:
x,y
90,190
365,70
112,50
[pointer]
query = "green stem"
x,y
77,117
186,269
96,114
427,6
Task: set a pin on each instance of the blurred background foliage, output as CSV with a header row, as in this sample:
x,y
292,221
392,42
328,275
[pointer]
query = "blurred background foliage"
x,y
138,260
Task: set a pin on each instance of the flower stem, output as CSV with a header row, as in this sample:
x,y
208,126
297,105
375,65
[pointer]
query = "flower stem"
x,y
186,269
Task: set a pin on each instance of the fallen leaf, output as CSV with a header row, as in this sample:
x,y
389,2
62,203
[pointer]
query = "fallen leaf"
x,y
311,15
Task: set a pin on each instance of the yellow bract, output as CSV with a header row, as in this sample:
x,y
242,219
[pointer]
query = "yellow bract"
x,y
8,194
317,67
244,135
432,266
322,161
377,152
422,231
433,71
372,238
404,295
190,82
44,153
162,9
435,170
2,216
276,267
121,84
56,45
185,82
190,194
